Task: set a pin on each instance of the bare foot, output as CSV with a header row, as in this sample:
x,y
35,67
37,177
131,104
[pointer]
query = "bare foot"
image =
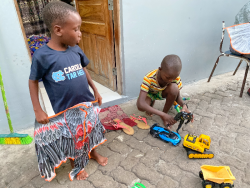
x,y
83,175
100,159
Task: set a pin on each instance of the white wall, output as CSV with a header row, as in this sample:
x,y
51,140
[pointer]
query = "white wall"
x,y
15,68
152,29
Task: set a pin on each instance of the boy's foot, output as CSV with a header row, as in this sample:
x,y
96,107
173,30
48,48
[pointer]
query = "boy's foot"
x,y
100,159
83,175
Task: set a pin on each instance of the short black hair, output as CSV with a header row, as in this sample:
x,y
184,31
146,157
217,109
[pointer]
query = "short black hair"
x,y
171,62
56,13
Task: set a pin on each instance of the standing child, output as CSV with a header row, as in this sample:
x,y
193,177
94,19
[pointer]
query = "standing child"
x,y
159,84
75,130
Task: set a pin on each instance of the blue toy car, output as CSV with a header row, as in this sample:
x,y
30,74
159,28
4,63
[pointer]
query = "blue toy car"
x,y
164,134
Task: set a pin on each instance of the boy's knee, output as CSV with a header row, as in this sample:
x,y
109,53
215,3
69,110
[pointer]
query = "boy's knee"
x,y
172,90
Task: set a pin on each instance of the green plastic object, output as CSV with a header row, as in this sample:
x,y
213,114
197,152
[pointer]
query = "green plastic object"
x,y
5,104
139,185
177,108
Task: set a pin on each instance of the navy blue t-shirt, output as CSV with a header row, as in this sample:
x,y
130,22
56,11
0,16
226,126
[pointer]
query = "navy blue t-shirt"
x,y
64,79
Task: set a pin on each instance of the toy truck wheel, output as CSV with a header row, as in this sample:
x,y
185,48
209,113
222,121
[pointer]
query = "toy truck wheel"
x,y
207,184
226,185
201,175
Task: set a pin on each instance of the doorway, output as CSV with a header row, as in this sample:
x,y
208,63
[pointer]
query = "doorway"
x,y
100,42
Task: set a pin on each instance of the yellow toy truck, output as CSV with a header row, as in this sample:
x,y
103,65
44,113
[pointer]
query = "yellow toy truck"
x,y
216,175
196,146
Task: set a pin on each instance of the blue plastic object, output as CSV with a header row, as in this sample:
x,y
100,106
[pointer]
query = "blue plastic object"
x,y
165,135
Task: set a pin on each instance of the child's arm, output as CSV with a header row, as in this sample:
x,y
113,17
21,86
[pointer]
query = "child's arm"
x,y
182,104
92,85
41,116
144,106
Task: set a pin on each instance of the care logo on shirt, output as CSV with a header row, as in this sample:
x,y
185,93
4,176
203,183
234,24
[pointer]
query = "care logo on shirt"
x,y
71,72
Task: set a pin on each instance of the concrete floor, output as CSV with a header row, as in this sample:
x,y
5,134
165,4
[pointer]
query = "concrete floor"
x,y
219,113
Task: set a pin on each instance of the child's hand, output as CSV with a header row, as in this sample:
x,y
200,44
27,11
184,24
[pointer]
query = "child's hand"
x,y
41,117
185,109
167,119
98,98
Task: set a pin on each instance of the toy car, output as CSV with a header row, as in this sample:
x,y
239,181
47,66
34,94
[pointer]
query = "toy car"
x,y
164,134
216,175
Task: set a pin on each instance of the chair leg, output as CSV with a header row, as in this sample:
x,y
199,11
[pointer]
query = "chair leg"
x,y
217,61
237,67
244,81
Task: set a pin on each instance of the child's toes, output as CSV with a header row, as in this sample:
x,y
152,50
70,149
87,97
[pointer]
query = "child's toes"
x,y
82,176
104,161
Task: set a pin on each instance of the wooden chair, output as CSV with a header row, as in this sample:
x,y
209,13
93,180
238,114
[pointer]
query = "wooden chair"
x,y
229,54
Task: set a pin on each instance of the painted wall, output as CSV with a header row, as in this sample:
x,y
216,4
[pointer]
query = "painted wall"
x,y
190,29
150,30
15,68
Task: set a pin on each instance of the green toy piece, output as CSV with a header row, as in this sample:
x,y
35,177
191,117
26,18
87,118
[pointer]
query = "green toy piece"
x,y
139,185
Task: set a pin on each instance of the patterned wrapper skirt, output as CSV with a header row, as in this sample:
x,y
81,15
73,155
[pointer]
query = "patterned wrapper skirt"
x,y
71,134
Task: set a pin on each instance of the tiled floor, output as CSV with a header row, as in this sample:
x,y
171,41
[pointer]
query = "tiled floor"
x,y
106,93
107,96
